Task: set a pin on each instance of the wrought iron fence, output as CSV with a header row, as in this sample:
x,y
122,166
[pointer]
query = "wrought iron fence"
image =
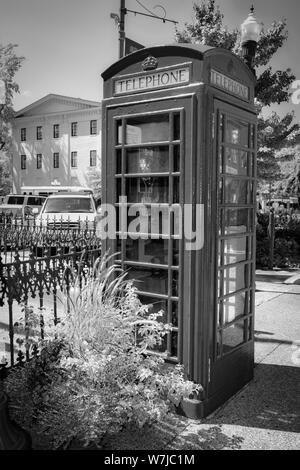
x,y
36,266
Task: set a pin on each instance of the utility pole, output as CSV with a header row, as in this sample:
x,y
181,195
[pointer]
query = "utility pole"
x,y
122,29
120,21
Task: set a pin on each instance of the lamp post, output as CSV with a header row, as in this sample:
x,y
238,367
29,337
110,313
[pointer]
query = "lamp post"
x,y
250,31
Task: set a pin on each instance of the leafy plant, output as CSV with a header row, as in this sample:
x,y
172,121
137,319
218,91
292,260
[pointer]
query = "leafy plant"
x,y
287,241
96,372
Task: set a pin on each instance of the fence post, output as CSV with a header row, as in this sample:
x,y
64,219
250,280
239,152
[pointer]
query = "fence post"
x,y
271,235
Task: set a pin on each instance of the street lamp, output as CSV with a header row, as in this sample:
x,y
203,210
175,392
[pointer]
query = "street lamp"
x,y
250,31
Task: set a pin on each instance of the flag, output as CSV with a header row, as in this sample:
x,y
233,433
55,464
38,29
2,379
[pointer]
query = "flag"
x,y
132,46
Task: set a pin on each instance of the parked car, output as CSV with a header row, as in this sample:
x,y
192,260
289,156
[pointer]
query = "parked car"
x,y
64,213
68,210
21,205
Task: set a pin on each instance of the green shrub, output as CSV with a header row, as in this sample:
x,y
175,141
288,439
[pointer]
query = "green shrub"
x,y
286,253
286,244
95,373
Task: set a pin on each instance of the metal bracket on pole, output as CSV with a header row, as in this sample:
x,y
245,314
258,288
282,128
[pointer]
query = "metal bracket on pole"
x,y
120,22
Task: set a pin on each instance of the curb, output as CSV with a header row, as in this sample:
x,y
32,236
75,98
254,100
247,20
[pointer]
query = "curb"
x,y
293,279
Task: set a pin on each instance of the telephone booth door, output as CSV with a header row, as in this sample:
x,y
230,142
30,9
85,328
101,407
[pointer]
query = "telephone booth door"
x,y
151,156
235,136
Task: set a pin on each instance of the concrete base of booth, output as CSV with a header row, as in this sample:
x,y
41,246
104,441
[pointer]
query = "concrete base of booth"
x,y
198,409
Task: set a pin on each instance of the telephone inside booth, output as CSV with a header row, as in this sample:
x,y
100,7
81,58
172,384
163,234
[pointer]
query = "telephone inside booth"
x,y
179,160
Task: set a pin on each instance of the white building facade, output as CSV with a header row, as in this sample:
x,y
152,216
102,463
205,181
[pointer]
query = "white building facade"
x,y
57,142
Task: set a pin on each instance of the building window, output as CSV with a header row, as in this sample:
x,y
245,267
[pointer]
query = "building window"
x,y
23,134
23,162
74,129
73,159
39,133
55,131
93,127
56,160
93,157
39,161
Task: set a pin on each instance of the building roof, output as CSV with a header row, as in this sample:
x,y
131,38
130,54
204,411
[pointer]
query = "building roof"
x,y
58,102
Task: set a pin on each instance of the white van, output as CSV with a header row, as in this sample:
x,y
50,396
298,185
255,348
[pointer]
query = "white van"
x,y
20,205
68,211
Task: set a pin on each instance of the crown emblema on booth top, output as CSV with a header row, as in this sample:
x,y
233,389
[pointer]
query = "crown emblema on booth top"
x,y
150,63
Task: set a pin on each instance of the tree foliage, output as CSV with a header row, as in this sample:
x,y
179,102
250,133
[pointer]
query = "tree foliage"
x,y
289,184
5,175
10,63
274,133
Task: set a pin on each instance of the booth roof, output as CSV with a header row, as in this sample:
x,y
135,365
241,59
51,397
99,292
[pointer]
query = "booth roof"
x,y
193,51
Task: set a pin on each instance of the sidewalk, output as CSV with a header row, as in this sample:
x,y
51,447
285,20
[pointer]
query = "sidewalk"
x,y
265,414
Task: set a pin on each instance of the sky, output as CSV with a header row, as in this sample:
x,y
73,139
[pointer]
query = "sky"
x,y
69,43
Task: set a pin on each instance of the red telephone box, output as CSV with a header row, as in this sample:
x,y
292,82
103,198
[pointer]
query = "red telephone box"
x,y
179,138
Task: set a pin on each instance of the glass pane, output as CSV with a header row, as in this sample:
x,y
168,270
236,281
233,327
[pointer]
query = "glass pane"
x,y
236,191
160,220
249,247
235,162
175,314
175,284
251,198
177,220
221,252
147,160
221,192
219,343
118,248
119,161
221,159
151,280
220,312
250,322
174,341
236,221
119,132
147,251
15,200
222,121
175,253
140,222
118,189
144,129
233,307
176,190
176,159
233,335
234,279
155,306
252,140
147,190
220,282
176,134
235,250
251,301
251,165
237,132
